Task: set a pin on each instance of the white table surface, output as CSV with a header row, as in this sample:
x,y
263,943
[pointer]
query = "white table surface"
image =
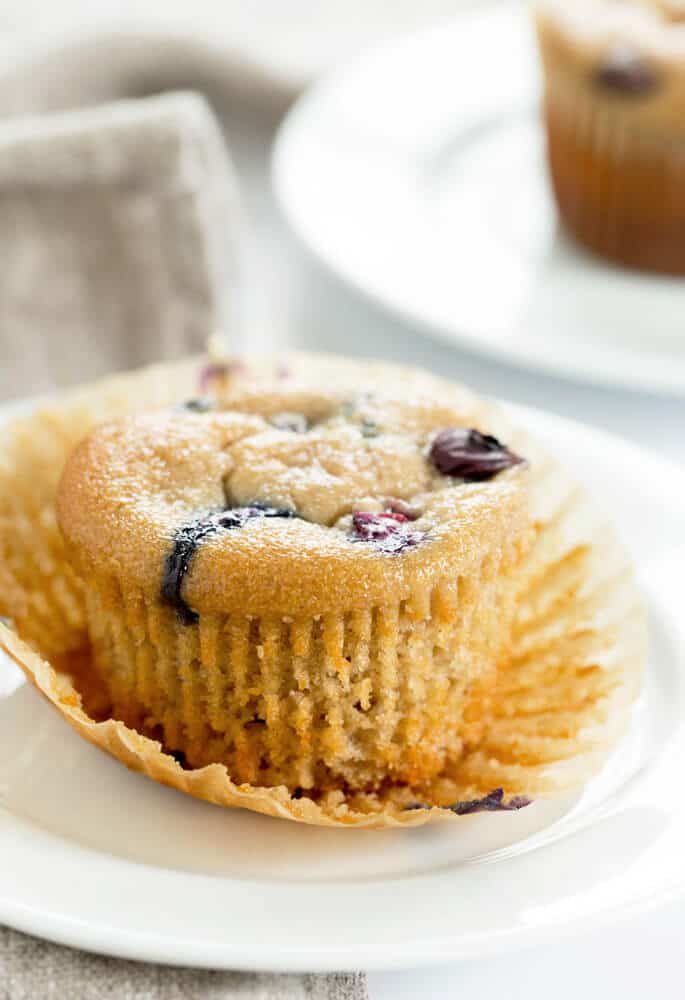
x,y
290,301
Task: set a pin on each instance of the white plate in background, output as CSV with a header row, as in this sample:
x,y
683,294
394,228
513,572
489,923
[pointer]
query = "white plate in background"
x,y
97,857
417,175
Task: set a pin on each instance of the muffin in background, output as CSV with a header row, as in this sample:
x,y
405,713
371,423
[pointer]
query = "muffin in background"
x,y
614,110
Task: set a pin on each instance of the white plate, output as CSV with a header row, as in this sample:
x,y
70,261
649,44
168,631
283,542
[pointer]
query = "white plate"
x,y
101,858
417,176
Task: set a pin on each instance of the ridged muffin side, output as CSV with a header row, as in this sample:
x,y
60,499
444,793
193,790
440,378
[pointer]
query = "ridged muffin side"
x,y
353,698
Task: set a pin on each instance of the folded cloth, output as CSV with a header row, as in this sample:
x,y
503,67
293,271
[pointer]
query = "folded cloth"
x,y
33,970
119,239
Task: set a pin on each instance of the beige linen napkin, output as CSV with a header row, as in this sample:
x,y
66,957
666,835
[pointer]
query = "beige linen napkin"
x,y
120,226
33,970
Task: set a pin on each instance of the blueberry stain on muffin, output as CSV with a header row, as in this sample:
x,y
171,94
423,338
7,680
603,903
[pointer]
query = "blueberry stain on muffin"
x,y
469,455
190,536
386,531
492,802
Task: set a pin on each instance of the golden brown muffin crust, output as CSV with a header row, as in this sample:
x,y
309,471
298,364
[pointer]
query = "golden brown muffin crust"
x,y
135,482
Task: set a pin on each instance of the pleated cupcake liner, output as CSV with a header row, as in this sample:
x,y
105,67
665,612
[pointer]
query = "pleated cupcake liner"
x,y
313,702
559,699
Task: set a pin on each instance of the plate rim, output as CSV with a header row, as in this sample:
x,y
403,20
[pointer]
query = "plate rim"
x,y
284,166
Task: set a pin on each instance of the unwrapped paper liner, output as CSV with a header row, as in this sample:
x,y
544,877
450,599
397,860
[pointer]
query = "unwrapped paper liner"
x,y
561,701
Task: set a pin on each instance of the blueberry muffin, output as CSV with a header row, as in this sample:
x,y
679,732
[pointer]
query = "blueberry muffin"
x,y
311,586
614,96
538,726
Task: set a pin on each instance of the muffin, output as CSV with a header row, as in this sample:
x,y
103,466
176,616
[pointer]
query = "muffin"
x,y
539,722
309,586
614,97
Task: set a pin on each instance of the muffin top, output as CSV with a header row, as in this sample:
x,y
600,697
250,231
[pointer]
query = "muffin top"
x,y
628,52
292,492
